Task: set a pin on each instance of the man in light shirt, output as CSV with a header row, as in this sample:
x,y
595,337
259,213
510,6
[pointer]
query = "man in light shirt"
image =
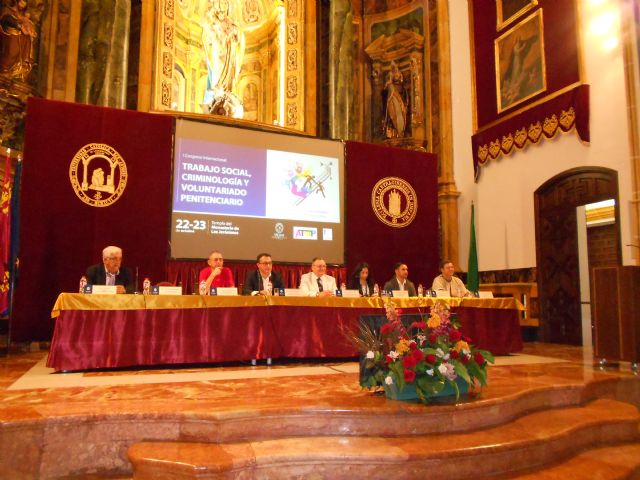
x,y
400,280
447,282
111,271
317,283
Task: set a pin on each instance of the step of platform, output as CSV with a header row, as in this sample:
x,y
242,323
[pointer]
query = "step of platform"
x,y
533,441
619,462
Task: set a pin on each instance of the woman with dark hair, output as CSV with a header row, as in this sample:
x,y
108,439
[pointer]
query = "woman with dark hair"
x,y
361,280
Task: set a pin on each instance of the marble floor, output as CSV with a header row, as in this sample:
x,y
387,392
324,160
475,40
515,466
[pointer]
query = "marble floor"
x,y
31,394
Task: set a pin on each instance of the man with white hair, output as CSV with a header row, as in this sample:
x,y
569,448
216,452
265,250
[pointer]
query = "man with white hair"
x,y
111,272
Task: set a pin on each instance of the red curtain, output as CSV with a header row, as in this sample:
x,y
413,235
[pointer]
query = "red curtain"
x,y
367,238
59,234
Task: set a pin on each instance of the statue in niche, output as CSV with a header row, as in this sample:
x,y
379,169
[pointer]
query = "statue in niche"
x,y
395,100
251,11
223,47
17,35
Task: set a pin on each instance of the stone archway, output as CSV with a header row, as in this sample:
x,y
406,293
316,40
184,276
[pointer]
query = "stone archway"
x,y
557,246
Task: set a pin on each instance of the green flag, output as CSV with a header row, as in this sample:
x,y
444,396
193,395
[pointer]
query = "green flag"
x,y
473,282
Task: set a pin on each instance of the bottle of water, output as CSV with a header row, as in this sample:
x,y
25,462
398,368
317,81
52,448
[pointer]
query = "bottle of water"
x,y
146,287
83,283
420,290
343,286
203,287
376,290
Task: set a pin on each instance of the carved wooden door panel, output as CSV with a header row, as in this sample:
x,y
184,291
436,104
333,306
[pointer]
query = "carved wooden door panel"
x,y
558,273
557,246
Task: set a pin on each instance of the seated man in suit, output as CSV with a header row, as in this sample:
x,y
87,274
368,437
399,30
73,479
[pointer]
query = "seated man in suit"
x,y
215,275
400,280
448,282
317,283
111,272
263,280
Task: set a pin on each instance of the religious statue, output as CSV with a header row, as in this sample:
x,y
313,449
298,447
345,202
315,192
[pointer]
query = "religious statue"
x,y
17,36
224,48
395,104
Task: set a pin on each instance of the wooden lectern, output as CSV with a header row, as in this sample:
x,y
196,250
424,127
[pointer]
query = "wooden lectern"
x,y
616,313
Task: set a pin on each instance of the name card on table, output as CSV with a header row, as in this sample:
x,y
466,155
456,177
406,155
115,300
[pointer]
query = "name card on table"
x,y
442,294
224,291
400,293
101,289
350,293
166,290
292,292
485,294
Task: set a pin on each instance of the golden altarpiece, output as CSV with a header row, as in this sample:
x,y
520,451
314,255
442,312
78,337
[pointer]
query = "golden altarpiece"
x,y
373,71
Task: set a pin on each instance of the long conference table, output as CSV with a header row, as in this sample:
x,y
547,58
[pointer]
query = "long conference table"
x,y
95,331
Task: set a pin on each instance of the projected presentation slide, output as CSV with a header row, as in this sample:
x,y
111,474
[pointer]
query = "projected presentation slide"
x,y
246,198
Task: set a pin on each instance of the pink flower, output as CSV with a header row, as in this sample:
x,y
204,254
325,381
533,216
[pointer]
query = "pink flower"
x,y
409,376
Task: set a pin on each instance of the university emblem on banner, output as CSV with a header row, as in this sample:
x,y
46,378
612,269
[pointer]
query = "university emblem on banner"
x,y
98,174
394,201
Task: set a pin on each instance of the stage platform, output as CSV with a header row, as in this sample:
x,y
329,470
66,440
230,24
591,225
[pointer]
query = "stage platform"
x,y
548,412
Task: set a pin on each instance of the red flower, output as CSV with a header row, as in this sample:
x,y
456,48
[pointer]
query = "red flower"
x,y
478,358
466,339
420,325
386,329
465,359
409,376
455,335
431,358
433,338
388,359
417,355
409,361
454,354
413,345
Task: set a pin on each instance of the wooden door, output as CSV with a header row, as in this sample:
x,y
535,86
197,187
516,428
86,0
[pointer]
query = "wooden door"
x,y
557,247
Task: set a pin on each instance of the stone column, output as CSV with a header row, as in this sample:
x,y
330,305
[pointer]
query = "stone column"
x,y
340,69
447,190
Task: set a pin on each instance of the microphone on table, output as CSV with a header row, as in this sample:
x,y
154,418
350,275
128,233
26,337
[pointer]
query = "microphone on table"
x,y
135,290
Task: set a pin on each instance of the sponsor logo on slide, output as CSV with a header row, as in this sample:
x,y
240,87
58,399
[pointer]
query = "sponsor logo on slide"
x,y
327,233
305,233
278,233
98,174
394,201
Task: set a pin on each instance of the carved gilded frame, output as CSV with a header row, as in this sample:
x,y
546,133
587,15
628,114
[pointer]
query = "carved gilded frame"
x,y
528,37
294,36
513,9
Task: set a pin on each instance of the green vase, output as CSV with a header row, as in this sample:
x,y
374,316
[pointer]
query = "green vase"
x,y
409,393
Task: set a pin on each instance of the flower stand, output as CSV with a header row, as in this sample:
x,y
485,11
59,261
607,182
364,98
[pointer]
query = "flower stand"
x,y
409,393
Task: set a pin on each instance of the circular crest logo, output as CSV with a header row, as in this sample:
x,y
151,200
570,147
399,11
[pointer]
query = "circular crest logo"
x,y
394,201
98,174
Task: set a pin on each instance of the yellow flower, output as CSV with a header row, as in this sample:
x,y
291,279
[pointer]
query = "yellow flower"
x,y
434,321
461,345
402,346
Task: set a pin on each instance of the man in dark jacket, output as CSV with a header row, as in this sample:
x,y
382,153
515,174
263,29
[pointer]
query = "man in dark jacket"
x,y
263,280
111,272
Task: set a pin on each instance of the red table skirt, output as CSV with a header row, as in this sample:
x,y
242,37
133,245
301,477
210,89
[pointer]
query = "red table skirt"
x,y
90,339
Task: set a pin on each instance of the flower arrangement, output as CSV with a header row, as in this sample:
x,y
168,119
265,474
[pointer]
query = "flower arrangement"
x,y
429,355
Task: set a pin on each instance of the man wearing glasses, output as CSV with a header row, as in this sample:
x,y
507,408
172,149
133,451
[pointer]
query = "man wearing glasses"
x,y
317,283
263,280
111,271
215,275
